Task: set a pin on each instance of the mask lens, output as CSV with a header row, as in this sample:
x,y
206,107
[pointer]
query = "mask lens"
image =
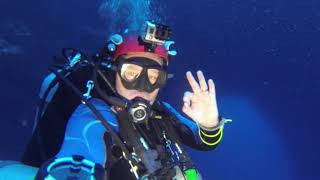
x,y
153,75
130,72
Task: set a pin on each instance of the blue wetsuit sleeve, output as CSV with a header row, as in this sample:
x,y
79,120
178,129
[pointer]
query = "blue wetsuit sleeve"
x,y
189,132
85,133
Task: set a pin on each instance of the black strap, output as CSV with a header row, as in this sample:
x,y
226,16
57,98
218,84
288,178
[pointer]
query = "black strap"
x,y
98,115
168,125
41,104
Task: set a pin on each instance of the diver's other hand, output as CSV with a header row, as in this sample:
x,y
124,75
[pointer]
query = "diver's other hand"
x,y
201,105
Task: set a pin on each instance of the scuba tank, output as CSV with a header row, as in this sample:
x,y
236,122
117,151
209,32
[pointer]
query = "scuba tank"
x,y
56,102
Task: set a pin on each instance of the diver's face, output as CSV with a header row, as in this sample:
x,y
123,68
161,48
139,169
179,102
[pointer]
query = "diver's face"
x,y
131,93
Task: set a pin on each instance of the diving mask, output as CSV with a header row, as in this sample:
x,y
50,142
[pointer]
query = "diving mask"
x,y
141,73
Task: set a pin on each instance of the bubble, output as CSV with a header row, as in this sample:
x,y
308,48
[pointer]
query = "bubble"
x,y
129,14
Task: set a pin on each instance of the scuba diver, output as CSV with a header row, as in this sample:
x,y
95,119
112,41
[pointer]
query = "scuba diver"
x,y
101,118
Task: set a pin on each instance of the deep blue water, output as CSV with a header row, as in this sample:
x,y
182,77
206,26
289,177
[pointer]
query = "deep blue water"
x,y
262,54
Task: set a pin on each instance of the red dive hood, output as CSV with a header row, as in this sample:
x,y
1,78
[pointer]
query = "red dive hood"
x,y
133,44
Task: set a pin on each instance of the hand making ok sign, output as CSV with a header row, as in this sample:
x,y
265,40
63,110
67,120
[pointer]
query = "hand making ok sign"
x,y
201,105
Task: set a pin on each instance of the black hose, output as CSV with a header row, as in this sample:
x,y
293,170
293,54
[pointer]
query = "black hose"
x,y
99,116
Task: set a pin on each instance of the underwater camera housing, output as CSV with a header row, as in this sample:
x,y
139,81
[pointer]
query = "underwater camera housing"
x,y
156,33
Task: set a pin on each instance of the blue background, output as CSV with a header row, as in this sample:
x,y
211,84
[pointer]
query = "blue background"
x,y
262,54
